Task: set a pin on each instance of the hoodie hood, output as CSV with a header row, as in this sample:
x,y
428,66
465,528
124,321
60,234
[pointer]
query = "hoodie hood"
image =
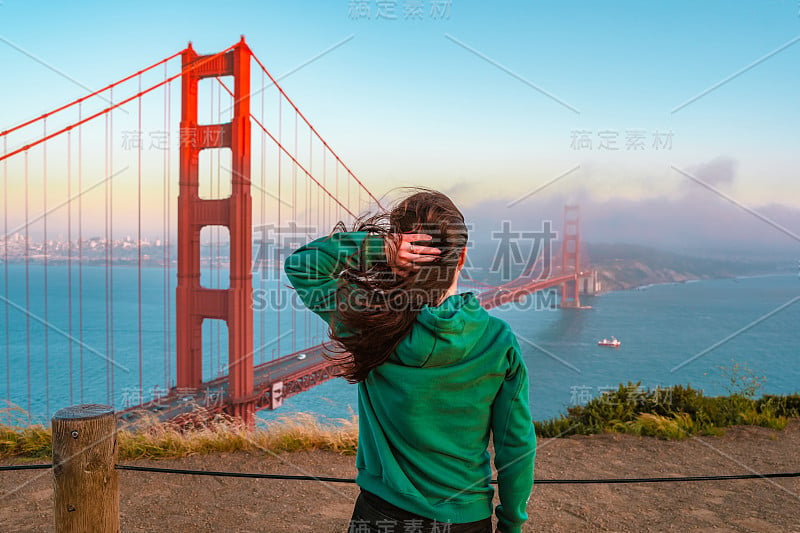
x,y
444,334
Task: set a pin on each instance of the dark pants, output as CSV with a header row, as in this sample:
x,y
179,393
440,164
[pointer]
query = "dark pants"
x,y
375,515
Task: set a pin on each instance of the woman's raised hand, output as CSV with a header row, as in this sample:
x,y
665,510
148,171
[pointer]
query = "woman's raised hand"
x,y
409,253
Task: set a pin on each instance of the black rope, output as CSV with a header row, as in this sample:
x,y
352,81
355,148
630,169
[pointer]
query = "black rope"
x,y
232,474
666,479
494,481
25,467
253,475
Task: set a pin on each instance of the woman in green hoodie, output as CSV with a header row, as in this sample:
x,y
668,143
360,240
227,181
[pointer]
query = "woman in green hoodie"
x,y
437,375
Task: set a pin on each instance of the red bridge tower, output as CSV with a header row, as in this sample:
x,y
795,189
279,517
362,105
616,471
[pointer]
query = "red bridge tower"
x,y
571,256
194,302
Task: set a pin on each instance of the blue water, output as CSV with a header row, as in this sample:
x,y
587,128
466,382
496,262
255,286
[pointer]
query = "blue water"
x,y
46,367
662,329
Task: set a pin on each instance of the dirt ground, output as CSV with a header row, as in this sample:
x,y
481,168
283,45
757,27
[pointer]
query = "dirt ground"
x,y
181,503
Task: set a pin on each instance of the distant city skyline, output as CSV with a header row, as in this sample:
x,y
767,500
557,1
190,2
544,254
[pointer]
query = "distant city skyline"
x,y
670,124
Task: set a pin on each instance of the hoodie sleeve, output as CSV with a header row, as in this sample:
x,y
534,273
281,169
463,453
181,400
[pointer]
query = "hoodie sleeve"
x,y
313,269
514,444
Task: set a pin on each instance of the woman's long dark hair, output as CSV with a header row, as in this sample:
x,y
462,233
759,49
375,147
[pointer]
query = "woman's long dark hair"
x,y
377,307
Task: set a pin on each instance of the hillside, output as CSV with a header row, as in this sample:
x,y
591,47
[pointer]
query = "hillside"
x,y
626,266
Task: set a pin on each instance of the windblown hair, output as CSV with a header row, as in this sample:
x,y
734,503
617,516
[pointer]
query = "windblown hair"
x,y
376,308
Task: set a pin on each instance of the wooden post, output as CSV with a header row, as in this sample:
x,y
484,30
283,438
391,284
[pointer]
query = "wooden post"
x,y
85,485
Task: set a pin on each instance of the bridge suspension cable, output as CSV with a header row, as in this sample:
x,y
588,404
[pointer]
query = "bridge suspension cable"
x,y
313,129
116,319
103,112
316,203
90,95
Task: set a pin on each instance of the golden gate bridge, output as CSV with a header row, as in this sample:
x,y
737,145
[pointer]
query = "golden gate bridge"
x,y
239,132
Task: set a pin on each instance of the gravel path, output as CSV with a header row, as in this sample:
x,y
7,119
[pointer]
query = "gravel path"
x,y
177,503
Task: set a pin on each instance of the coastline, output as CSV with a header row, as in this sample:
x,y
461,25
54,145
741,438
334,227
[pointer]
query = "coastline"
x,y
680,281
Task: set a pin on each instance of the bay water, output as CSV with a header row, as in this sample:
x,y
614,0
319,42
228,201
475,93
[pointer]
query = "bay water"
x,y
87,349
682,333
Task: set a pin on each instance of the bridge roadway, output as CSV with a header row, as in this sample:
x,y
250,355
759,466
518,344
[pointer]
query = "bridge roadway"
x,y
273,381
291,374
519,288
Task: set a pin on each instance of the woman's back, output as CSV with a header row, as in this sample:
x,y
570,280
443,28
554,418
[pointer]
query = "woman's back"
x,y
436,373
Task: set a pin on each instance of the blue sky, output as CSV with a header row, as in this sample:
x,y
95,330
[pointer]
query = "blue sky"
x,y
440,102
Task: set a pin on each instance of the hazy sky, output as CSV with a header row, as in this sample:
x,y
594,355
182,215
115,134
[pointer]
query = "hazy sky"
x,y
487,100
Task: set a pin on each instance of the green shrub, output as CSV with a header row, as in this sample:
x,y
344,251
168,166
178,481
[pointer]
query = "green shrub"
x,y
674,413
788,406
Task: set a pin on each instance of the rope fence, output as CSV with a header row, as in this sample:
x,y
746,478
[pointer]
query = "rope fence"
x,y
86,484
258,475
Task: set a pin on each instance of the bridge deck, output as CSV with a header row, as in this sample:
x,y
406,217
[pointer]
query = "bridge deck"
x,y
297,371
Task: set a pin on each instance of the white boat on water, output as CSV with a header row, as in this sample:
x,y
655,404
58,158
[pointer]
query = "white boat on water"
x,y
611,343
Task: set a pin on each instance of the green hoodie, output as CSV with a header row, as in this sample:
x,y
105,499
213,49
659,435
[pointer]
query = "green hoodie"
x,y
425,415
